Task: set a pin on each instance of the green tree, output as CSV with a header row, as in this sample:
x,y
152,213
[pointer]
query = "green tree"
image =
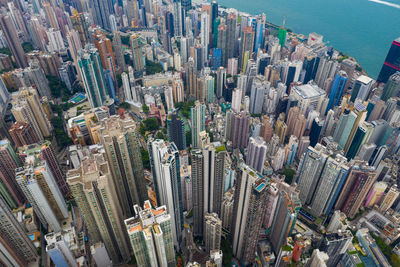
x,y
160,135
151,124
28,47
184,107
395,260
124,105
125,40
119,80
188,139
6,51
145,158
227,251
153,67
58,87
61,136
145,108
289,174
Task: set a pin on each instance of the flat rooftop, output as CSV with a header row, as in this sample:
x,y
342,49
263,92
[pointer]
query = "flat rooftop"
x,y
308,91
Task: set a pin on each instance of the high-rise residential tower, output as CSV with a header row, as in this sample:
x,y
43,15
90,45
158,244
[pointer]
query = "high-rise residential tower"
x,y
96,196
165,168
27,108
16,249
121,143
198,119
92,74
356,188
213,231
256,153
392,87
151,236
176,130
248,213
9,189
11,35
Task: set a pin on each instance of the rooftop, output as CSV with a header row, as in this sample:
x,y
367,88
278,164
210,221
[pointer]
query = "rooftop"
x,y
308,91
364,79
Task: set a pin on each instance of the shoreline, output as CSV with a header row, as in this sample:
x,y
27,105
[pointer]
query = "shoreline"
x,y
341,56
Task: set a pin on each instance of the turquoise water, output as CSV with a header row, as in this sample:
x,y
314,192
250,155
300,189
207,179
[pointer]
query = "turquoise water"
x,y
362,29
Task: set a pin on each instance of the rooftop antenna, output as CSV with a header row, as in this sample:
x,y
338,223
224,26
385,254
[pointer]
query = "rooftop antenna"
x,y
284,20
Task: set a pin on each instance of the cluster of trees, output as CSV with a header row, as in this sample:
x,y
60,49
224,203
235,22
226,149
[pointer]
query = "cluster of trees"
x,y
124,105
145,158
61,136
227,252
184,108
148,125
289,174
153,67
28,47
387,250
59,89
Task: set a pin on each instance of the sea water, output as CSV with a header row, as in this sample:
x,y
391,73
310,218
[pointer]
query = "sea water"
x,y
363,29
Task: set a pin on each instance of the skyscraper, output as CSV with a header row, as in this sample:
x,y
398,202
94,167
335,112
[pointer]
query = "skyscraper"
x,y
35,75
121,143
337,89
260,26
14,43
284,218
213,231
296,123
390,197
359,113
256,153
392,87
205,31
361,88
258,90
250,201
45,151
92,75
362,135
137,54
95,194
198,119
329,185
22,134
230,37
27,108
176,130
208,170
16,249
391,64
309,172
104,47
247,45
9,188
358,183
79,25
151,236
165,168
240,130
101,13
58,250
282,36
40,188
118,52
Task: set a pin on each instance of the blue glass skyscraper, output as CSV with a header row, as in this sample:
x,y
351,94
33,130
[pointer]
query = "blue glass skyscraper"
x,y
259,29
337,89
